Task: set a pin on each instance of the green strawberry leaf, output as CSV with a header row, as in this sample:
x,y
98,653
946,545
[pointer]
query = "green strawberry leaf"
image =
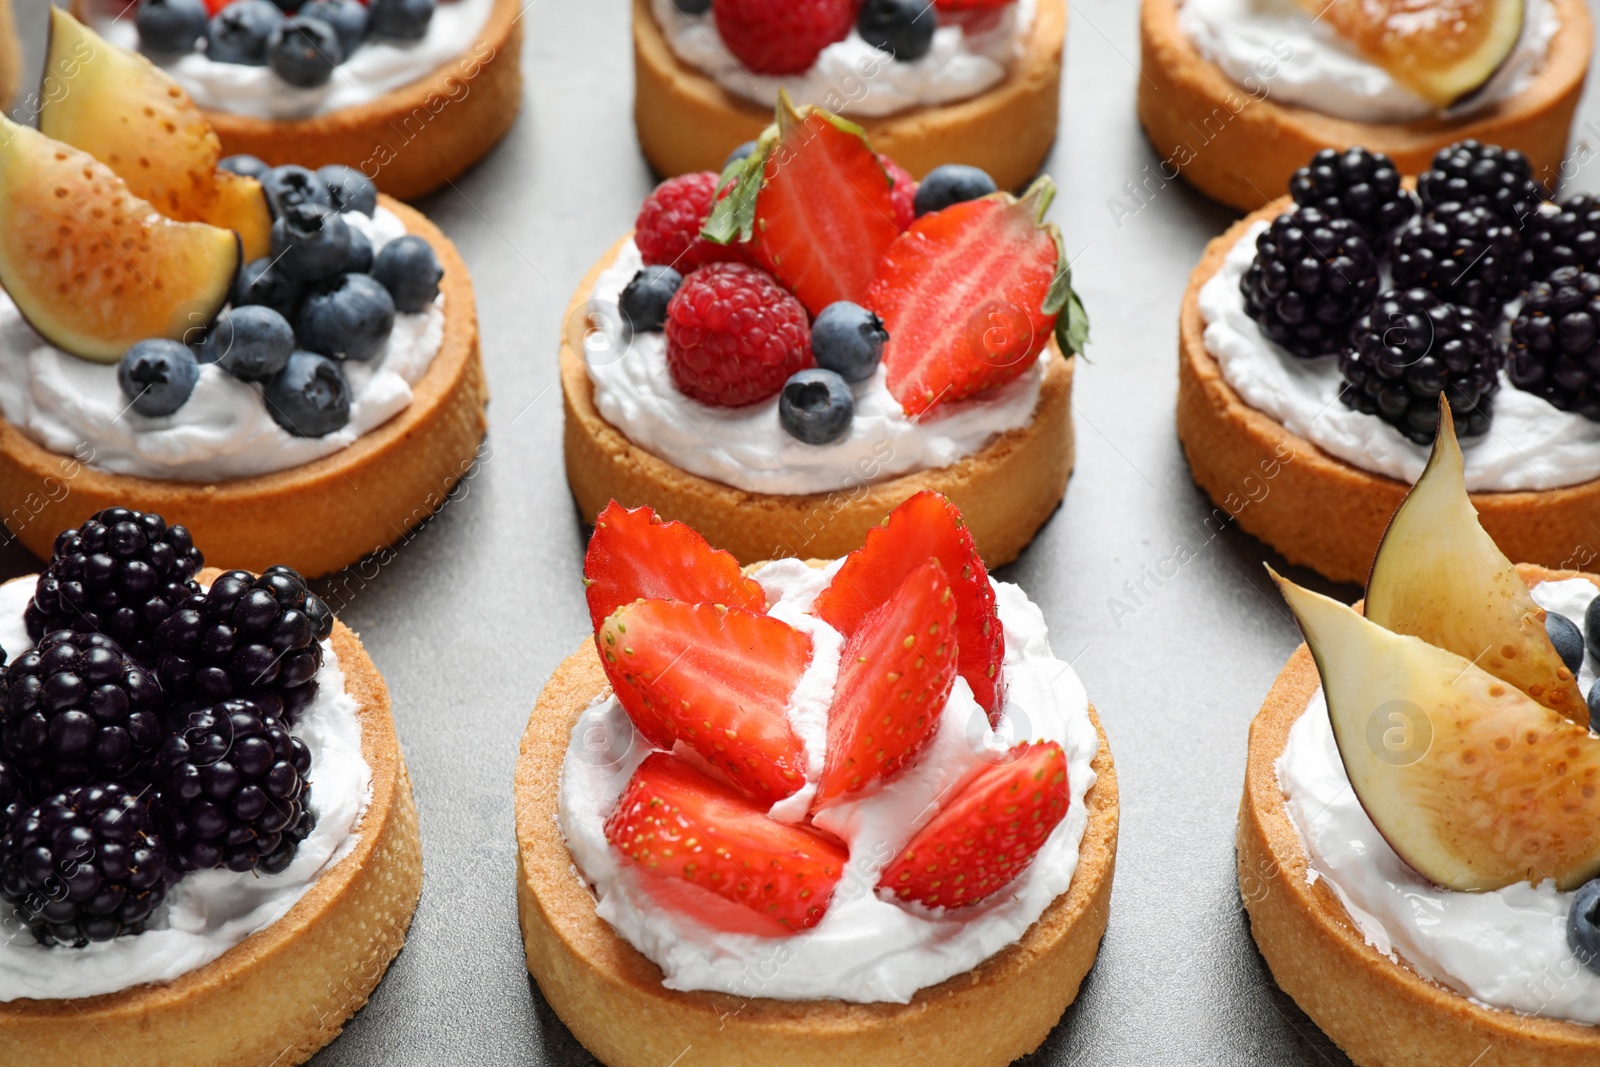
x,y
1062,301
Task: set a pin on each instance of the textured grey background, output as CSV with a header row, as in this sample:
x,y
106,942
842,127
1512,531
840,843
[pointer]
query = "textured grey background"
x,y
473,613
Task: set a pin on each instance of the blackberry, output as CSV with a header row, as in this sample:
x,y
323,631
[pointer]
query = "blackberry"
x,y
76,709
1311,276
1411,347
1568,236
233,790
12,795
120,573
1354,184
84,865
1555,341
1482,175
1465,254
246,637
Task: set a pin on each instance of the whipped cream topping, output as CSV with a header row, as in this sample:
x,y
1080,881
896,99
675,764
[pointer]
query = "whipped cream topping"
x,y
223,431
1531,444
747,447
380,65
865,949
208,912
1313,67
851,77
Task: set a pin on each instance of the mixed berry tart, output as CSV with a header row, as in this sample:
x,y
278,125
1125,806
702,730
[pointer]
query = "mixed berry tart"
x,y
781,354
1236,94
208,845
1318,333
283,360
409,92
947,81
1418,847
852,812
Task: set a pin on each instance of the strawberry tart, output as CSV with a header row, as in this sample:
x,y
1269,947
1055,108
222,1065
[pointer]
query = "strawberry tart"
x,y
283,360
208,847
951,81
781,354
853,813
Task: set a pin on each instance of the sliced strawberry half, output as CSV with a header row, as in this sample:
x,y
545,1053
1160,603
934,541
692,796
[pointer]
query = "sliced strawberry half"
x,y
676,823
895,675
634,555
715,678
970,296
987,834
927,526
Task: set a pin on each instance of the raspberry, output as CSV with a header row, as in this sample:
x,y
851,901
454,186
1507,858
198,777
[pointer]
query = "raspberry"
x,y
668,228
782,38
734,335
904,193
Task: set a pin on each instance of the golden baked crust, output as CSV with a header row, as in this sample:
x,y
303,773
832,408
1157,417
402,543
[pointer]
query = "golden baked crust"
x,y
1241,148
10,56
1006,491
409,141
613,1000
280,995
315,518
687,122
1379,1012
1317,510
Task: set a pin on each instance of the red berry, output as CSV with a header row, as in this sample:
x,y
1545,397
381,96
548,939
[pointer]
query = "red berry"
x,y
668,228
904,193
734,336
782,37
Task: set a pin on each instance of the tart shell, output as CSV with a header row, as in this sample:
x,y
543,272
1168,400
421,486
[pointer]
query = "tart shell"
x,y
687,122
410,140
1379,1011
283,993
612,999
1006,491
316,518
1315,509
1241,148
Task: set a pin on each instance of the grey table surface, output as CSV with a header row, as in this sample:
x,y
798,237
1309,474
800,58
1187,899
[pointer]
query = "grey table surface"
x,y
469,618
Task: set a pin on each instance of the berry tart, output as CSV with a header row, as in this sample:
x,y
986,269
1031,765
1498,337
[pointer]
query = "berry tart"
x,y
968,81
208,846
283,361
409,92
1318,333
781,355
853,813
1236,94
1418,847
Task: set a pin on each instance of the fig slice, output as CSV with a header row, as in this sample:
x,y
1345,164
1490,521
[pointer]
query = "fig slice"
x,y
1438,575
1472,783
130,115
92,267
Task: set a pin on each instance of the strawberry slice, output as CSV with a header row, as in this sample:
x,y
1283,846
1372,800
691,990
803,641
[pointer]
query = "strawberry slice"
x,y
927,526
634,555
970,296
815,205
677,823
987,834
895,674
716,679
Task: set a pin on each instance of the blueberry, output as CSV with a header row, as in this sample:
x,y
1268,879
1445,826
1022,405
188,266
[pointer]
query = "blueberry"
x,y
348,318
290,184
644,298
1567,638
303,51
848,339
1594,703
247,165
157,376
309,396
170,27
1583,925
288,7
405,19
238,33
250,342
348,188
816,406
347,17
744,151
310,241
692,7
360,259
408,268
903,28
1591,625
951,184
264,282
